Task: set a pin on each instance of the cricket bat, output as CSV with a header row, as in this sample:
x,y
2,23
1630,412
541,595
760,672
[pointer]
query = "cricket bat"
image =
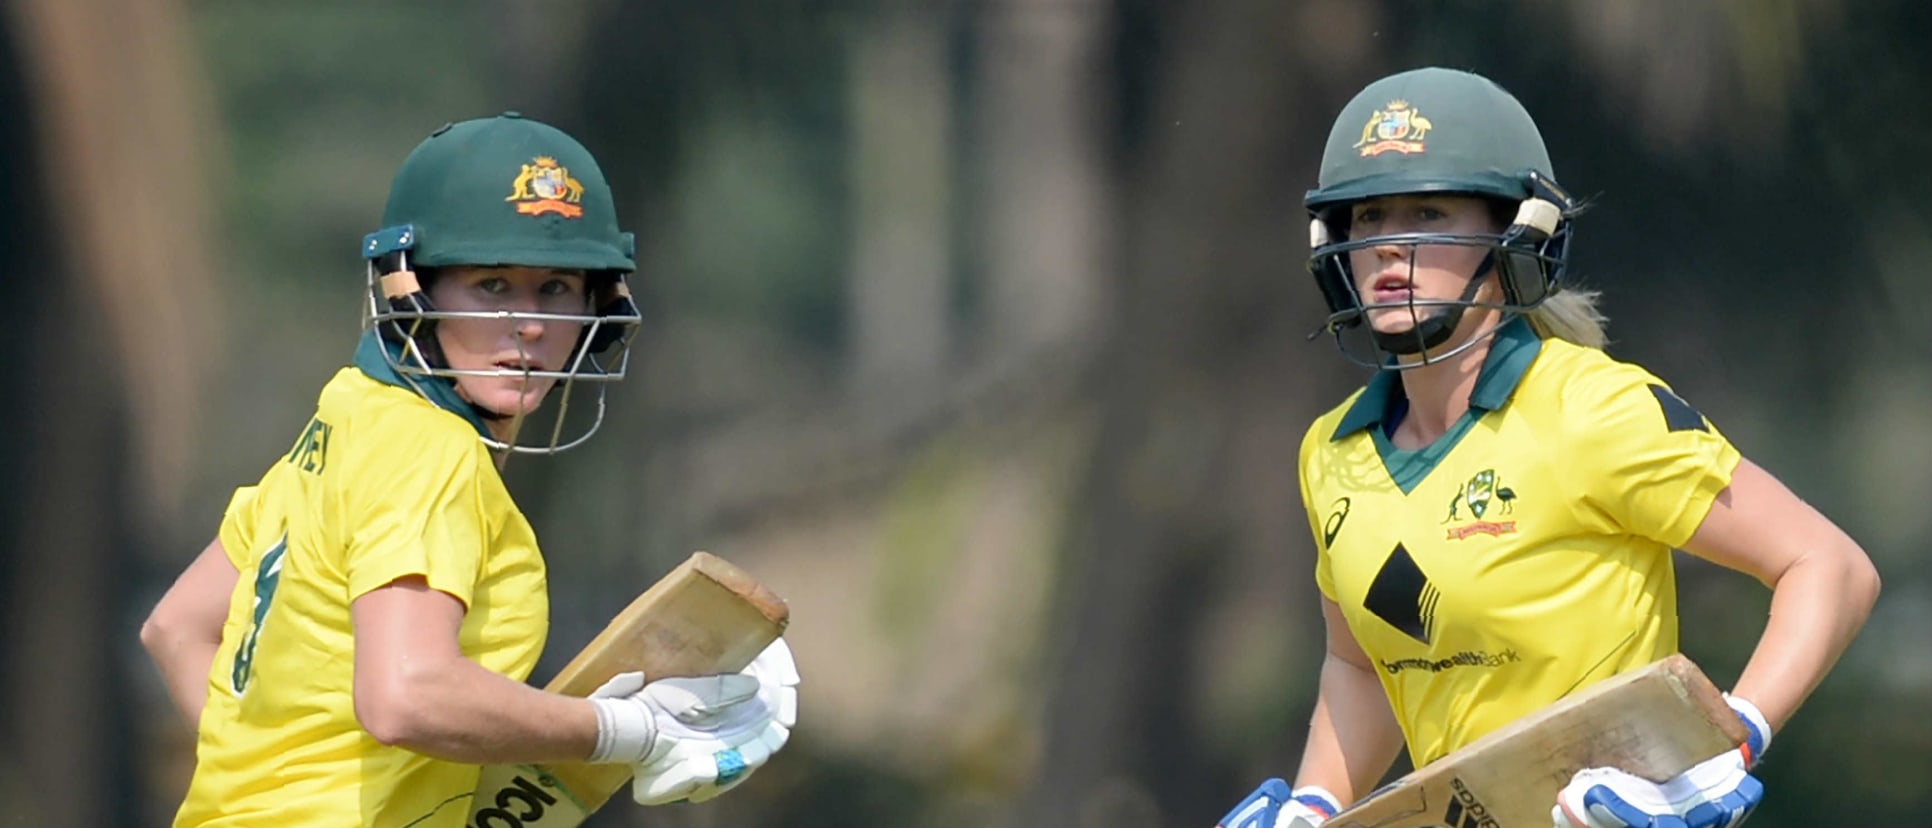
x,y
705,617
1655,722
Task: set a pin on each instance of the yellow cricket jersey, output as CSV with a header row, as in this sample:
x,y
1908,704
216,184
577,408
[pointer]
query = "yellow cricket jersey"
x,y
381,484
1524,555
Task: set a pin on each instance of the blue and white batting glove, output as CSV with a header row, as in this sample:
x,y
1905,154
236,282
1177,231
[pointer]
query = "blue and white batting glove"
x,y
691,739
1273,805
1717,793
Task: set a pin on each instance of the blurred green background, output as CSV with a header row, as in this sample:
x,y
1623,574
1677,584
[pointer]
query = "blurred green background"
x,y
976,329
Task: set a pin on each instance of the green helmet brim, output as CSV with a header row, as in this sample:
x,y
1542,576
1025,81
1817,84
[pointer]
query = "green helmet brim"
x,y
1485,184
582,254
570,252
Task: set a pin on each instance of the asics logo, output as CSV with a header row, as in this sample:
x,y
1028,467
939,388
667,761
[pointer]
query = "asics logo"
x,y
1333,526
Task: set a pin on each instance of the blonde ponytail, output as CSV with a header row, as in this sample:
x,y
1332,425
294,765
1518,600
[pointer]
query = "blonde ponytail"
x,y
1571,315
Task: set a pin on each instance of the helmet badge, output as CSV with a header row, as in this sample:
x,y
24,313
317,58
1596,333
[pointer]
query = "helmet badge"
x,y
545,187
1397,128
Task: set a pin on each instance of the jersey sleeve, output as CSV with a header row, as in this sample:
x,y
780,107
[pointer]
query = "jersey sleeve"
x,y
413,506
237,533
1647,462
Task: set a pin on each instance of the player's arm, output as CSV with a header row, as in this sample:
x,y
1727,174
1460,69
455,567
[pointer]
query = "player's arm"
x,y
1823,585
1652,465
183,632
1353,737
415,689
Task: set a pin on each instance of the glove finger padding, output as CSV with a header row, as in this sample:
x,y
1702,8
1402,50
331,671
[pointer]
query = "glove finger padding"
x,y
753,754
777,675
702,768
705,702
1274,805
619,686
745,719
646,723
1717,793
1259,809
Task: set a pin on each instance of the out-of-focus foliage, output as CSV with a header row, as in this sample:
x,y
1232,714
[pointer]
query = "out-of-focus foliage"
x,y
976,330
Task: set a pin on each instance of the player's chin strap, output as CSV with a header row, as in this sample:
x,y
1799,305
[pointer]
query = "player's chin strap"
x,y
1536,221
562,393
506,446
1431,331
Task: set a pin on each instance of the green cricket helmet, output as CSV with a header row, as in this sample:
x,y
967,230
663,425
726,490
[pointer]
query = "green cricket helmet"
x,y
502,191
1442,131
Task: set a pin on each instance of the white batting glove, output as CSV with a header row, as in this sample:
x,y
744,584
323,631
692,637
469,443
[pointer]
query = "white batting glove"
x,y
1273,805
693,739
1717,793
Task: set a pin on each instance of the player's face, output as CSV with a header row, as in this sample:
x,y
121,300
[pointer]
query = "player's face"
x,y
1397,281
508,344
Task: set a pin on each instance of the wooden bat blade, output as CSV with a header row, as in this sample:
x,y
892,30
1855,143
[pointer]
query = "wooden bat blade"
x,y
1655,722
705,617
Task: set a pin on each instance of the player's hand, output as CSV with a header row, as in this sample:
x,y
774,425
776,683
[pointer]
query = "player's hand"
x,y
1717,793
777,676
694,738
1273,805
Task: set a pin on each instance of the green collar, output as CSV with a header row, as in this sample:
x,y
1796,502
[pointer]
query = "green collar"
x,y
440,391
1511,350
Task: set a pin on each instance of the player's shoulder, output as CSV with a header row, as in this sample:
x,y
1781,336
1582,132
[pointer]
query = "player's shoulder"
x,y
1579,386
1332,441
387,418
1588,378
1323,430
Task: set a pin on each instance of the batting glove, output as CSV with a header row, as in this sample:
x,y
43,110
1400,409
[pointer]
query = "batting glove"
x,y
1717,793
1273,805
695,738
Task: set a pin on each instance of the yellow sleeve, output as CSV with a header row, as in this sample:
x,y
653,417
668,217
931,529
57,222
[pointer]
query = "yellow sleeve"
x,y
413,506
237,533
1648,463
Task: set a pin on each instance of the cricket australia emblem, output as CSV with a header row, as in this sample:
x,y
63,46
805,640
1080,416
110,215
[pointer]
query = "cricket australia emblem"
x,y
1397,127
544,186
1482,496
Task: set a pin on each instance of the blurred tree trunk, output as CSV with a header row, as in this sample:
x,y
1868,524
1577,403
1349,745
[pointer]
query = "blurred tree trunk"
x,y
1225,157
121,317
902,128
1042,117
121,117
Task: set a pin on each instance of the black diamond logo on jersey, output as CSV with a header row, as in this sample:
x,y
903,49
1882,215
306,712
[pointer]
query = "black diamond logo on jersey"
x,y
1403,596
1678,415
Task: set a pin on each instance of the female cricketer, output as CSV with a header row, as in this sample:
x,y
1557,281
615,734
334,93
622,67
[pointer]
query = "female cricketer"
x,y
353,644
1494,512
